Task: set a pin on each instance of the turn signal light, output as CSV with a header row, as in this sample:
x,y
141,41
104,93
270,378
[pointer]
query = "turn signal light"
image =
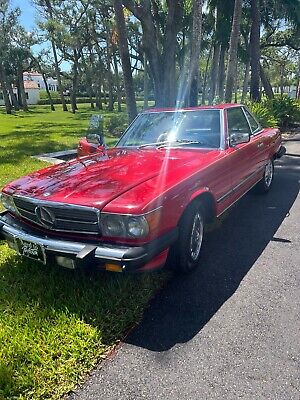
x,y
113,268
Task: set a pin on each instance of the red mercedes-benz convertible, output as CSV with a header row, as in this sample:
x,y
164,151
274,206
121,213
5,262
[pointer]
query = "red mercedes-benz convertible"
x,y
146,201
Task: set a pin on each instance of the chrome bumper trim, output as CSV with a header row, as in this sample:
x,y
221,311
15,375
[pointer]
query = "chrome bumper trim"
x,y
62,246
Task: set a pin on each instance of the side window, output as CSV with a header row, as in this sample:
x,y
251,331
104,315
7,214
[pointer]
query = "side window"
x,y
255,127
237,122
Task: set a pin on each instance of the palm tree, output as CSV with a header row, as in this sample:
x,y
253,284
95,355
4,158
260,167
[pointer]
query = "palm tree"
x,y
233,47
195,52
255,51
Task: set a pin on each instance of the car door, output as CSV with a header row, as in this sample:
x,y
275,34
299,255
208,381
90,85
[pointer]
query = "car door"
x,y
245,160
259,139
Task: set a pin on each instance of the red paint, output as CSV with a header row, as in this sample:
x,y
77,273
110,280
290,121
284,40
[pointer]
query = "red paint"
x,y
84,148
135,181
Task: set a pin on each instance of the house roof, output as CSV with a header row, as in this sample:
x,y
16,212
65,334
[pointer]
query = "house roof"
x,y
31,85
33,73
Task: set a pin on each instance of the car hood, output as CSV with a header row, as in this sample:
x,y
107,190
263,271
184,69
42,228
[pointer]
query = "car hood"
x,y
96,180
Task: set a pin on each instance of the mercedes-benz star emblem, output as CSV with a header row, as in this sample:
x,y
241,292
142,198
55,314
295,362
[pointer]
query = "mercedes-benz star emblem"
x,y
45,217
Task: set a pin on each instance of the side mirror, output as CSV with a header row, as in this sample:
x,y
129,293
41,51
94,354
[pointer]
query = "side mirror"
x,y
94,138
239,138
95,132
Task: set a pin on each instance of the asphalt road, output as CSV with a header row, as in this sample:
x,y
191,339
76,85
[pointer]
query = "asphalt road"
x,y
231,330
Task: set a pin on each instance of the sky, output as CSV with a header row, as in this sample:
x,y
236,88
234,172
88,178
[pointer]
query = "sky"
x,y
28,13
28,21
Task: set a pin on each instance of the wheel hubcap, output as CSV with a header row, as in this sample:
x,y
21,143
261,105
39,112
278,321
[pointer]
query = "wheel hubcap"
x,y
268,173
196,237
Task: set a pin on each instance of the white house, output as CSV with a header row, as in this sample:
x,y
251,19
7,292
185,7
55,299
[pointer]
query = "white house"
x,y
37,77
32,92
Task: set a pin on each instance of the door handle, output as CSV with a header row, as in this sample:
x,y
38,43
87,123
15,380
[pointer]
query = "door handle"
x,y
260,145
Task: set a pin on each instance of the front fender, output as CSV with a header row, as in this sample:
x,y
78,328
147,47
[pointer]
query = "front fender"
x,y
205,195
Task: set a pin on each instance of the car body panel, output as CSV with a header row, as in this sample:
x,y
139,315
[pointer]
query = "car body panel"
x,y
136,181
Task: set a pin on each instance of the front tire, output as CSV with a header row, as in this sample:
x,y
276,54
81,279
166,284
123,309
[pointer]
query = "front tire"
x,y
186,252
264,185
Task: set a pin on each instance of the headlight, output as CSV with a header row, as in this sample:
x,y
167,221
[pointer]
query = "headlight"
x,y
113,225
137,227
8,202
129,226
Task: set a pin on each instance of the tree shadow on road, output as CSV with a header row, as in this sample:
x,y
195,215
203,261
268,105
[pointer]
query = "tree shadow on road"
x,y
183,308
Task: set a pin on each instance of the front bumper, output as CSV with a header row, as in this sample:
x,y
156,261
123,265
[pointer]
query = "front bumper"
x,y
130,258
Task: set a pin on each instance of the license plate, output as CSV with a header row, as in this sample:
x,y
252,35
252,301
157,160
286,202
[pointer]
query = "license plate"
x,y
31,250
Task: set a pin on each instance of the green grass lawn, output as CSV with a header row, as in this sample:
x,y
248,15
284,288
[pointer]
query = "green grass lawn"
x,y
55,324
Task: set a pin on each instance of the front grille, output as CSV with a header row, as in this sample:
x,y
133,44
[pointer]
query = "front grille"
x,y
58,216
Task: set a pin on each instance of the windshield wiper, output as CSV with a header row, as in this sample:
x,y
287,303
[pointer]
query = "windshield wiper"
x,y
155,144
180,142
169,143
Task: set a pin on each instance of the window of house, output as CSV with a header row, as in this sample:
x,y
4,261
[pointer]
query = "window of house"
x,y
1,96
27,95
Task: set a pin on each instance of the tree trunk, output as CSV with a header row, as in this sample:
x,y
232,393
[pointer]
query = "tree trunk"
x,y
48,91
193,78
266,83
236,87
221,77
74,83
206,75
22,89
281,80
125,60
13,97
154,58
99,105
58,77
91,97
255,51
246,82
118,85
298,81
161,63
175,13
56,64
19,98
110,106
214,72
146,84
7,102
233,48
90,74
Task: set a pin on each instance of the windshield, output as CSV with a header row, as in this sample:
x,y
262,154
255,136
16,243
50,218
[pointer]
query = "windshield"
x,y
200,128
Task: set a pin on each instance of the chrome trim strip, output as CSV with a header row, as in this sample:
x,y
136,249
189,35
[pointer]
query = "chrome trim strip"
x,y
131,215
62,246
237,199
239,185
259,129
55,203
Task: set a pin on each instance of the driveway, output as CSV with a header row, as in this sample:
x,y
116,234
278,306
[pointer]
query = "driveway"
x,y
231,330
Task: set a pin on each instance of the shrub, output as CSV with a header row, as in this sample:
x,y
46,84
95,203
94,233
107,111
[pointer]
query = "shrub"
x,y
79,100
284,109
116,124
264,115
